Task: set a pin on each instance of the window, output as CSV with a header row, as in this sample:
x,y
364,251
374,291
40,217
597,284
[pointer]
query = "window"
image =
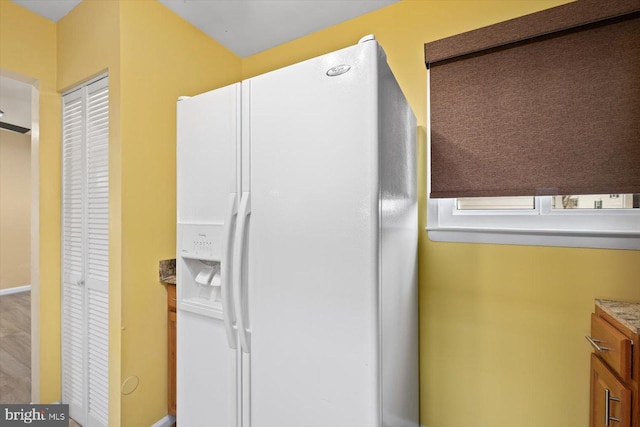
x,y
589,201
597,201
593,221
537,106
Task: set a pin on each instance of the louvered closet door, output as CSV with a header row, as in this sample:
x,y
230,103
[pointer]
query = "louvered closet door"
x,y
73,295
97,266
86,298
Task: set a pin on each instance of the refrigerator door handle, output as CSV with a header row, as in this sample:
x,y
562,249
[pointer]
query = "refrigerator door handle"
x,y
225,272
240,288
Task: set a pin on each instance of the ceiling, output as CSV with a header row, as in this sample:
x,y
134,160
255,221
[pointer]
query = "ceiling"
x,y
245,27
51,9
250,26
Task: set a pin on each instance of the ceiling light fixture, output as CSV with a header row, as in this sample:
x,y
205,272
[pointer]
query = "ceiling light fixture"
x,y
1,113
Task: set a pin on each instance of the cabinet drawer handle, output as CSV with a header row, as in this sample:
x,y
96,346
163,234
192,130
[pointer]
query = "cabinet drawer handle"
x,y
594,342
607,408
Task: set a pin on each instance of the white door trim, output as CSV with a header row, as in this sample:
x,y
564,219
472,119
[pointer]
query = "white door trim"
x,y
35,243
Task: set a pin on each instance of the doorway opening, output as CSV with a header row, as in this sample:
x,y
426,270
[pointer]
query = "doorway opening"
x,y
19,245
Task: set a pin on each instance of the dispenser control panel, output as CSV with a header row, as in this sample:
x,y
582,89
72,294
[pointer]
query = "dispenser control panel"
x,y
201,242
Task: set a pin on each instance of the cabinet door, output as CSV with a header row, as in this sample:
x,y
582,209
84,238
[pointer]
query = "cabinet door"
x,y
610,398
172,361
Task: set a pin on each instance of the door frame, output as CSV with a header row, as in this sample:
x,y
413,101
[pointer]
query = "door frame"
x,y
35,242
34,227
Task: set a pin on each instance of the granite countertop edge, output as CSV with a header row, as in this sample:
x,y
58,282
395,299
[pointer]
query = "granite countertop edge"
x,y
167,271
627,313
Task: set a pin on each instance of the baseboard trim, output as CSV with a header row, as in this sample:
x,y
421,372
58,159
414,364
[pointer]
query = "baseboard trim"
x,y
15,290
167,421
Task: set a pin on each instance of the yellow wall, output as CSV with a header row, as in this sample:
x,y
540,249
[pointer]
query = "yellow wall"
x,y
28,48
15,209
89,45
401,29
152,57
162,58
501,327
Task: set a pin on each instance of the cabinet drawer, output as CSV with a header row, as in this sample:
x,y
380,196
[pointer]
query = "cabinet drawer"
x,y
615,347
171,297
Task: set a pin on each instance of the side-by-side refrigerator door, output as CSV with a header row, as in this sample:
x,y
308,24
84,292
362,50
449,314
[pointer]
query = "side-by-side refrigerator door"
x,y
312,249
207,177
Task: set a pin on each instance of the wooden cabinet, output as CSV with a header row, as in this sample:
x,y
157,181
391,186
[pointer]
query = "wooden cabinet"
x,y
615,371
171,340
610,398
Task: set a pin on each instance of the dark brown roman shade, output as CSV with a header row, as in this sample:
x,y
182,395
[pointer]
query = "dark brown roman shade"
x,y
548,103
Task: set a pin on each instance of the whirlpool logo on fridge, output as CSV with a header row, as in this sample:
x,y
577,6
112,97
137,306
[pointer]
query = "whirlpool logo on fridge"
x,y
35,415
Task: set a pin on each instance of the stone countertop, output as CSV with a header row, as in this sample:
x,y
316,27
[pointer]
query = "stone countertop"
x,y
167,271
627,313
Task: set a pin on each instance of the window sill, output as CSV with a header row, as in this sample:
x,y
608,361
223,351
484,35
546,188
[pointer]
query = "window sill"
x,y
562,238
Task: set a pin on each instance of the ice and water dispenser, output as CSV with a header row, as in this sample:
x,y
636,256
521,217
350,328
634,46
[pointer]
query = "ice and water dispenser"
x,y
200,277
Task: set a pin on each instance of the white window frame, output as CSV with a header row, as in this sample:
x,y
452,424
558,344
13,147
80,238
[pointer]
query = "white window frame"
x,y
541,226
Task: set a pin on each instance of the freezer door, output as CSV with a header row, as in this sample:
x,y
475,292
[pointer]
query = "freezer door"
x,y
313,242
207,179
206,373
208,131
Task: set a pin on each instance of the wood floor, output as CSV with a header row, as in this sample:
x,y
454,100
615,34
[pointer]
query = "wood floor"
x,y
15,349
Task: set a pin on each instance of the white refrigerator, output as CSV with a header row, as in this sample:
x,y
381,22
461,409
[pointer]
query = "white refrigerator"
x,y
296,249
